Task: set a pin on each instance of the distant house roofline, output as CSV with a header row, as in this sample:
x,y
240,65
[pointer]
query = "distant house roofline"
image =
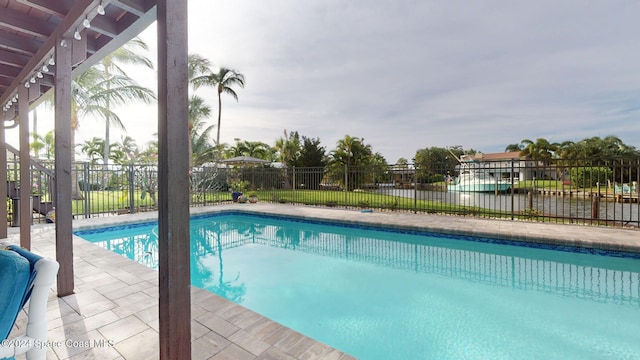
x,y
499,156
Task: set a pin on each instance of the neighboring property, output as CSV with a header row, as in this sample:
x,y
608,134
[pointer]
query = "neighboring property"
x,y
508,165
403,175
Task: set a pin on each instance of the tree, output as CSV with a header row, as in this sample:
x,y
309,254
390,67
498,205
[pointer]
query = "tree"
x,y
540,151
93,93
129,147
311,155
513,147
49,144
380,169
288,148
200,148
36,145
223,81
128,54
596,147
350,153
119,152
434,163
256,149
402,163
93,149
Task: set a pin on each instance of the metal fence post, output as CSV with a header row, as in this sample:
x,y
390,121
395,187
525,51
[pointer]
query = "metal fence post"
x,y
513,190
86,191
131,189
415,190
595,207
346,185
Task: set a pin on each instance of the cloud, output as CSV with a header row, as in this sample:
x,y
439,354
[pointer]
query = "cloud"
x,y
405,74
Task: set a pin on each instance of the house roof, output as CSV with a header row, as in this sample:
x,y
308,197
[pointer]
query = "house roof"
x,y
498,156
29,30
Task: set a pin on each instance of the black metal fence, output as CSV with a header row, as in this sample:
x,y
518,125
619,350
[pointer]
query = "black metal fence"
x,y
595,191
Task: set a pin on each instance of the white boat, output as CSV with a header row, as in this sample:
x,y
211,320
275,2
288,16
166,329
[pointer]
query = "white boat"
x,y
474,179
477,181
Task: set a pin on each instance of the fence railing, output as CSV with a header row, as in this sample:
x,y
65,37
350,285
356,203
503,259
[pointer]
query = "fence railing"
x,y
596,191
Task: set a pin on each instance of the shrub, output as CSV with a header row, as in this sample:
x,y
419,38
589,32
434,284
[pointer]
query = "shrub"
x,y
589,176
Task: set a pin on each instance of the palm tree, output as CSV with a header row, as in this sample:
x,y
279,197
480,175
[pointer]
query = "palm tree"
x,y
111,65
540,150
288,148
234,150
513,147
36,144
94,92
350,151
197,66
199,146
129,147
255,149
93,149
223,80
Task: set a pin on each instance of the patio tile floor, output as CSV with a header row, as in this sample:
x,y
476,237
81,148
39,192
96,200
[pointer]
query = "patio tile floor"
x,y
114,311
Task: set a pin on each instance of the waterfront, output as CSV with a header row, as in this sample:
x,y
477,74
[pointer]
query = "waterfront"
x,y
576,206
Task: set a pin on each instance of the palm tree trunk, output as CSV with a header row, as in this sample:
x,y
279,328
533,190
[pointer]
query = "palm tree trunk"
x,y
107,147
35,132
218,132
219,117
105,151
76,194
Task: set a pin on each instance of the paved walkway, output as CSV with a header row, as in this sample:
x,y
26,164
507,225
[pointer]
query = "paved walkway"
x,y
114,312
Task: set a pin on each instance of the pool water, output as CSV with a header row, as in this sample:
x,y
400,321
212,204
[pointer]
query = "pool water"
x,y
407,295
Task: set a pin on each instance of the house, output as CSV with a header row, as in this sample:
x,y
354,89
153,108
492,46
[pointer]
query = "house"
x,y
508,165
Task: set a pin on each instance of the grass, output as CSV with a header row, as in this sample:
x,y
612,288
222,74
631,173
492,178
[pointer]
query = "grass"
x,y
364,199
118,201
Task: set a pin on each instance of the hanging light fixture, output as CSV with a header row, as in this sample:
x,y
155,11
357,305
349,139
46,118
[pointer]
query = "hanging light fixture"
x,y
45,68
100,9
27,85
86,23
52,62
39,75
77,35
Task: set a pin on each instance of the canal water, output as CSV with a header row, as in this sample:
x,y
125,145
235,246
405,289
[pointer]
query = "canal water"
x,y
579,206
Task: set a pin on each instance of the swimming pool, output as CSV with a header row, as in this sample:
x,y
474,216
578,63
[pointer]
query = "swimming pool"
x,y
407,295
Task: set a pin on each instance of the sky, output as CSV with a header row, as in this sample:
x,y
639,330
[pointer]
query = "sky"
x,y
405,75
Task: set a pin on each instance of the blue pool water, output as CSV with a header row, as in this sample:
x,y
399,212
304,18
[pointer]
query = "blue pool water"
x,y
407,295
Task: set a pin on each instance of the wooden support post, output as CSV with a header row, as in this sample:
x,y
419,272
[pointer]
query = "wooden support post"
x,y
3,180
63,149
173,181
24,210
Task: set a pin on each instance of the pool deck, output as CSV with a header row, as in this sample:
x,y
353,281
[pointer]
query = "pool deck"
x,y
116,299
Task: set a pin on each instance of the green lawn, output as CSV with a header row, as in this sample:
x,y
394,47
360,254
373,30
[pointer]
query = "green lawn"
x,y
118,201
362,199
